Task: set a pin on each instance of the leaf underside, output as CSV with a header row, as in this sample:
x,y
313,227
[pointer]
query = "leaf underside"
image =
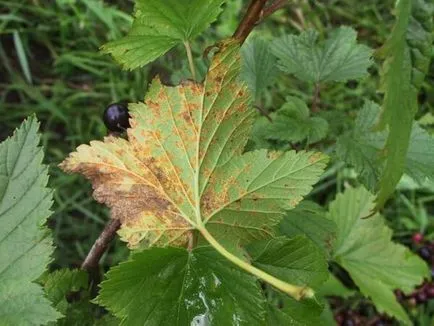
x,y
25,244
182,167
365,249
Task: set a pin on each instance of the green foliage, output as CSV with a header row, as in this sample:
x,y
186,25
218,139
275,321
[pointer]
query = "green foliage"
x,y
159,26
407,55
25,243
364,248
308,219
296,313
259,66
362,147
193,175
339,58
334,287
291,123
67,290
296,260
173,286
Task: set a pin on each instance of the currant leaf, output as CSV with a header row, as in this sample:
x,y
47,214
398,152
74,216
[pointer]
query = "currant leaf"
x,y
25,243
376,272
183,167
339,58
172,286
158,26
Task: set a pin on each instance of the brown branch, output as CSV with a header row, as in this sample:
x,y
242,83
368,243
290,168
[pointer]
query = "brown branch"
x,y
101,244
316,98
271,9
250,19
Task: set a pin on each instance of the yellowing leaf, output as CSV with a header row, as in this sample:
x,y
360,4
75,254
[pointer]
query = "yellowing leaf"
x,y
182,168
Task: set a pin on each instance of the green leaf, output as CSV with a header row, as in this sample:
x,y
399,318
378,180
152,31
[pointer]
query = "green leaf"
x,y
420,155
171,286
25,243
339,58
159,26
334,287
297,260
60,282
365,249
362,148
295,313
407,55
308,219
259,66
291,123
183,170
67,290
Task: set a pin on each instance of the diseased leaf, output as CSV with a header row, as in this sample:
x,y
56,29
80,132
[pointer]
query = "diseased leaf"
x,y
291,123
365,249
25,243
339,58
259,66
308,219
160,25
182,168
295,260
407,55
362,146
171,286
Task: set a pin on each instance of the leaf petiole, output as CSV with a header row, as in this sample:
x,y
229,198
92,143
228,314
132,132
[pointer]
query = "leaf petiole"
x,y
190,59
297,292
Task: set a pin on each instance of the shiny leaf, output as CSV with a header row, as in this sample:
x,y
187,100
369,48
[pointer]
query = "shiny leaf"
x,y
171,286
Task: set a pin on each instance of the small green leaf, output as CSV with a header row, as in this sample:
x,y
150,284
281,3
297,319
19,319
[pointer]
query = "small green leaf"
x,y
170,286
334,287
365,249
339,58
291,123
259,66
407,55
25,243
68,292
59,283
362,146
297,260
159,26
308,219
295,313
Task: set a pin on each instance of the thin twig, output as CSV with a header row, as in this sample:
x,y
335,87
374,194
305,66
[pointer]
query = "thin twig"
x,y
264,112
101,244
190,59
316,98
271,9
250,19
